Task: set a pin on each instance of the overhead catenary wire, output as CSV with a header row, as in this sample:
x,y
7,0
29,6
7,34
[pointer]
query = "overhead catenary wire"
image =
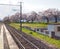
x,y
10,4
20,12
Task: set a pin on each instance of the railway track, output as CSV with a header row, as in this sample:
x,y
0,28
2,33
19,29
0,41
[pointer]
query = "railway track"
x,y
40,44
37,43
21,41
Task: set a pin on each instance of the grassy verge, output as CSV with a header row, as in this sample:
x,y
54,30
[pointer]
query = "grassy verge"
x,y
39,36
32,25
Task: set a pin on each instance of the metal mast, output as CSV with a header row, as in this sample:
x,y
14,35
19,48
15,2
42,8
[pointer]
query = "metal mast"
x,y
21,16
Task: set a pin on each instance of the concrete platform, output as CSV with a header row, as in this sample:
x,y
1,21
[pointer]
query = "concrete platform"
x,y
11,42
1,38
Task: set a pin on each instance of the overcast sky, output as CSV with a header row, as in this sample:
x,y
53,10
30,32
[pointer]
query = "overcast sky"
x,y
28,6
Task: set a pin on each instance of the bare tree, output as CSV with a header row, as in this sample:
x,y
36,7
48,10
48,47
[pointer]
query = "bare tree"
x,y
36,17
32,16
6,20
24,17
55,16
45,18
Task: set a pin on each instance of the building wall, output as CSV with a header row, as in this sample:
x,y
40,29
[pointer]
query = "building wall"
x,y
54,28
49,33
57,33
50,28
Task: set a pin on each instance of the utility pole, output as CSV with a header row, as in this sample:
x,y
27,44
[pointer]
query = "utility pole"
x,y
21,16
20,13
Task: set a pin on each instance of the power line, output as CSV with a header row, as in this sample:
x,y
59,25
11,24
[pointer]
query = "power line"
x,y
9,4
20,13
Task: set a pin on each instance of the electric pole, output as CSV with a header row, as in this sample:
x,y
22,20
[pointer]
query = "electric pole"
x,y
20,13
21,16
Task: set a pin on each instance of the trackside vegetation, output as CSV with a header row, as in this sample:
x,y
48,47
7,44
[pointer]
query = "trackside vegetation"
x,y
37,35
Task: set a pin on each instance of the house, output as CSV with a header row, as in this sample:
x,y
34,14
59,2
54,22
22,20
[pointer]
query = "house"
x,y
52,30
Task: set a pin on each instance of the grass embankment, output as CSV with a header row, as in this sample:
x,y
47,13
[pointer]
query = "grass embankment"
x,y
37,35
34,25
